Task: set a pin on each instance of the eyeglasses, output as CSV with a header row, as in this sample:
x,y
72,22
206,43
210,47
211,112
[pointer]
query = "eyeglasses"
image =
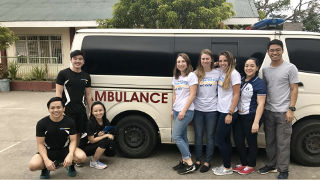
x,y
275,50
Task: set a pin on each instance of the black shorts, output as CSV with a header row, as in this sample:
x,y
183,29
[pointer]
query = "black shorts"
x,y
106,144
57,155
79,115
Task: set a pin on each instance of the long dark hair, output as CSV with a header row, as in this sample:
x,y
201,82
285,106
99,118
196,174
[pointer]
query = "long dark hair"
x,y
230,68
176,72
104,117
200,71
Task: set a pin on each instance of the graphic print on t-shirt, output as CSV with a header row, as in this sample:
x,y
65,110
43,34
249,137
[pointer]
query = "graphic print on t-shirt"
x,y
180,84
220,82
208,82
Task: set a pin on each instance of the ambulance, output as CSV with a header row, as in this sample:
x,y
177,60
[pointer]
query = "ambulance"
x,y
132,69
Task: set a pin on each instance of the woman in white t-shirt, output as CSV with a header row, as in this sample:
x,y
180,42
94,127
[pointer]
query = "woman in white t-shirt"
x,y
184,91
228,97
205,105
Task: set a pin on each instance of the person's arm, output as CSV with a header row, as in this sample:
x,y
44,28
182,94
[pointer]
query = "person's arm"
x,y
235,100
43,153
193,91
72,147
293,101
101,136
59,90
173,100
261,101
88,97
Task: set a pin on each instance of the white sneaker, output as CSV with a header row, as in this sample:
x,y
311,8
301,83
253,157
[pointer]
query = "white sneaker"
x,y
215,168
222,171
97,164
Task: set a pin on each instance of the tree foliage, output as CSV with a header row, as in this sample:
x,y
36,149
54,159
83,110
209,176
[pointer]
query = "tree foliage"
x,y
169,14
306,12
7,38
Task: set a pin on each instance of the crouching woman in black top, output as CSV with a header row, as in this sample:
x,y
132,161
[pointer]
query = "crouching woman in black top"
x,y
99,136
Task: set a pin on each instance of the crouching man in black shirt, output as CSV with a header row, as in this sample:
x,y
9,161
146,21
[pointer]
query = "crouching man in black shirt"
x,y
56,142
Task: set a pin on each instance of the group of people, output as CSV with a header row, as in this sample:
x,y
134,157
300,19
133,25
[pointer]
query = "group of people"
x,y
66,137
219,101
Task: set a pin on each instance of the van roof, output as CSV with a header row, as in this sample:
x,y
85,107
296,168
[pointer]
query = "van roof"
x,y
194,31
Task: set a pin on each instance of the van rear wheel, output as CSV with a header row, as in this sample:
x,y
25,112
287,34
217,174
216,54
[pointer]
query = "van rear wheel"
x,y
305,143
136,136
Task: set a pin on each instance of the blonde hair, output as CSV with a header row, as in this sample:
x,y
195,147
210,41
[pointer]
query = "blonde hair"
x,y
176,72
229,69
200,71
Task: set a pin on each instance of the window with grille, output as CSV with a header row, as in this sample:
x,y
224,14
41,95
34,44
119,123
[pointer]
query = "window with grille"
x,y
44,49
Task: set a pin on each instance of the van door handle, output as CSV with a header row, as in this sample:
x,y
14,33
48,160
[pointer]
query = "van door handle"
x,y
300,84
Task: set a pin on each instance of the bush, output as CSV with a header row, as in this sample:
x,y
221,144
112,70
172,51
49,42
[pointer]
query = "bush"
x,y
13,68
39,73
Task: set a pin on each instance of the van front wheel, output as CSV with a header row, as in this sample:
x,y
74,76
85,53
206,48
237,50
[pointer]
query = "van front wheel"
x,y
136,136
305,143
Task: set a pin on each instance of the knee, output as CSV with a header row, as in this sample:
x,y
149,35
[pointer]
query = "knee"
x,y
177,138
33,166
80,157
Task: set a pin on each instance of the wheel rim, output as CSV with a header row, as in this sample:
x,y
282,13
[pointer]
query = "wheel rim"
x,y
312,143
134,136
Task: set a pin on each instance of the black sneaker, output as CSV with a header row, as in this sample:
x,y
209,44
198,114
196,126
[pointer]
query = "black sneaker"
x,y
45,174
187,169
283,175
179,166
71,171
267,169
197,166
205,168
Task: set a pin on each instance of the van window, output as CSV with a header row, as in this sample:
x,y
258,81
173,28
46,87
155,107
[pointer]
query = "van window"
x,y
192,46
304,53
242,48
128,55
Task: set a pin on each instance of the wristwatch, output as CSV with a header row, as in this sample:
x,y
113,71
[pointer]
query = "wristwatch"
x,y
292,108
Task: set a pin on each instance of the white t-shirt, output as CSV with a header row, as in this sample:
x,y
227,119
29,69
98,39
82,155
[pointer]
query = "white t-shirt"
x,y
207,93
225,96
182,90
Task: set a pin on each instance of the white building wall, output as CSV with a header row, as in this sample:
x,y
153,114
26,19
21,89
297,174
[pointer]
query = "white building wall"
x,y
53,69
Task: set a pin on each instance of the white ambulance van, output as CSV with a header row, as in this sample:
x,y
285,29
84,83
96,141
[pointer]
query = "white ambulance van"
x,y
131,71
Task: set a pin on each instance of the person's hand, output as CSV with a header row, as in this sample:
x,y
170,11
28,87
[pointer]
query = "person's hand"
x,y
228,119
110,136
68,160
172,115
255,128
49,165
289,116
181,115
101,133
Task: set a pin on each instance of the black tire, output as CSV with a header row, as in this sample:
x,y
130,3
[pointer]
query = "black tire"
x,y
136,136
305,143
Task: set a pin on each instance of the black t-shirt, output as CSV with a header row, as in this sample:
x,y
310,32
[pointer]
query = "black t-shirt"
x,y
93,128
56,133
74,84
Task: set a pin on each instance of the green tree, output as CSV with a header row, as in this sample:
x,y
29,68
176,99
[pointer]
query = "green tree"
x,y
267,8
306,12
169,14
7,38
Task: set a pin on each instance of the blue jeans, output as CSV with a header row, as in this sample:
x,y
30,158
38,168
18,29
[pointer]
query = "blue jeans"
x,y
204,121
223,138
179,133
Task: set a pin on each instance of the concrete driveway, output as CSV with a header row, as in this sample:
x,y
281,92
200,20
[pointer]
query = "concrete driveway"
x,y
19,112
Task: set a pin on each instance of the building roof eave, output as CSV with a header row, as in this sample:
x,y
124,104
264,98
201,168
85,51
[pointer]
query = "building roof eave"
x,y
241,21
50,24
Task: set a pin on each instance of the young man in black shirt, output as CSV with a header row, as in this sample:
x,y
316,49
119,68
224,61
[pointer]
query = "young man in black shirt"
x,y
56,142
74,86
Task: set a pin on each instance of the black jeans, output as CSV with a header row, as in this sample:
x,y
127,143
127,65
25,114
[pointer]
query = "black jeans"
x,y
223,133
241,132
